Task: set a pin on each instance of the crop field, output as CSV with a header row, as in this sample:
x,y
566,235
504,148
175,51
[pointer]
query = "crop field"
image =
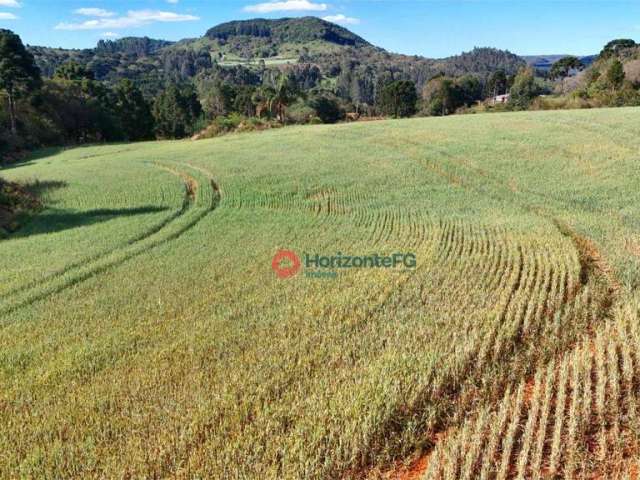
x,y
230,61
144,334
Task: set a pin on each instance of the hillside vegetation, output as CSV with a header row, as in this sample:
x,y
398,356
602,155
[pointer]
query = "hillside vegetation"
x,y
252,74
143,332
258,74
612,79
298,30
304,44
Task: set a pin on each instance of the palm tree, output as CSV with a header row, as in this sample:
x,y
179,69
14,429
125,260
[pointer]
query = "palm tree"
x,y
275,100
262,98
286,93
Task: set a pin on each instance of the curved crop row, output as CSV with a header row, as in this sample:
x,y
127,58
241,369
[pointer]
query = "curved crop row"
x,y
200,199
576,418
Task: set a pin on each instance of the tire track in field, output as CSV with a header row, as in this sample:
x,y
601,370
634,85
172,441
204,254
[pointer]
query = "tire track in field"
x,y
200,199
584,296
92,258
577,416
529,450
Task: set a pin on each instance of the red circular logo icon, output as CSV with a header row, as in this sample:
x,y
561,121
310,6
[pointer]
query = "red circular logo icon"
x,y
285,271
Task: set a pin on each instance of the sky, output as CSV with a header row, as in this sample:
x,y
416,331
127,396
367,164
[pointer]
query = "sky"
x,y
432,28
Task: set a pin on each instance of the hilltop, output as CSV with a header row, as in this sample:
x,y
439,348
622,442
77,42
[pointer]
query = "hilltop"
x,y
301,30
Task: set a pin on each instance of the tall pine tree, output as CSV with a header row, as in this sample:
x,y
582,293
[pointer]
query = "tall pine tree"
x,y
18,72
133,111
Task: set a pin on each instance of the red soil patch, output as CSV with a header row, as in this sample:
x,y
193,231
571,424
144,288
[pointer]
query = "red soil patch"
x,y
528,390
419,466
415,470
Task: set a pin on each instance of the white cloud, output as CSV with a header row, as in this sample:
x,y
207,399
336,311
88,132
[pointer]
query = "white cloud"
x,y
94,12
286,6
173,1
109,35
9,3
7,16
158,16
340,18
134,18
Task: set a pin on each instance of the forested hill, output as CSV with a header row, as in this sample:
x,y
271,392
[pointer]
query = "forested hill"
x,y
139,46
298,30
244,52
104,60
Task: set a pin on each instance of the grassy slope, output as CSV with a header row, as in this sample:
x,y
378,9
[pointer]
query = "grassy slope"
x,y
161,343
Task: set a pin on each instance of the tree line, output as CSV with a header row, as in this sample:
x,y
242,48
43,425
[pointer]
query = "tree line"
x,y
73,107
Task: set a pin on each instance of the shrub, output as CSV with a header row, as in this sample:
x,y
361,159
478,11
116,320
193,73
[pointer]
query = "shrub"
x,y
559,103
399,99
327,109
235,123
300,112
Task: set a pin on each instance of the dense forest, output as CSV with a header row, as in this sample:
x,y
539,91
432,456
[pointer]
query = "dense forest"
x,y
266,73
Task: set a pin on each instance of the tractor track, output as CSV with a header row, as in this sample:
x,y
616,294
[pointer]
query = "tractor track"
x,y
594,269
201,197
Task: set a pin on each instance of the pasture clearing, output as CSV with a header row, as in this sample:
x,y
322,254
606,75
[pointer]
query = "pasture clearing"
x,y
143,333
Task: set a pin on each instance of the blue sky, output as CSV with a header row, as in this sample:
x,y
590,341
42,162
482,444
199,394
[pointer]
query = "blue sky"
x,y
423,27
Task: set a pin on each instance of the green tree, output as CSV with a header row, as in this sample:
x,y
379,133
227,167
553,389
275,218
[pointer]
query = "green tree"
x,y
442,96
82,112
497,84
176,111
562,67
76,76
614,46
399,98
470,89
524,89
216,96
18,72
86,108
73,71
327,109
133,111
242,102
615,74
262,100
284,94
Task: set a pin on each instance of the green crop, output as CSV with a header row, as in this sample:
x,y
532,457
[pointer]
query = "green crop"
x,y
144,334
